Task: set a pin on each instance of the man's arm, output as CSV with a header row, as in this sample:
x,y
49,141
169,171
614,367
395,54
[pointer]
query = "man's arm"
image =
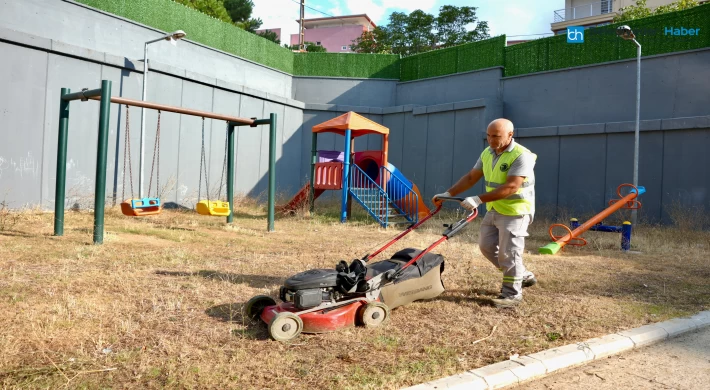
x,y
511,186
466,182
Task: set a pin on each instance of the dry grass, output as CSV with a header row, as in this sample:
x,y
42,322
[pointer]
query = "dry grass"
x,y
159,304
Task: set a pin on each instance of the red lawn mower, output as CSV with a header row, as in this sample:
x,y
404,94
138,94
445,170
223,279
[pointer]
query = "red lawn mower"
x,y
324,300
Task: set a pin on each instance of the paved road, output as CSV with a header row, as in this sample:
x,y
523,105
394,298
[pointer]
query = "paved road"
x,y
679,363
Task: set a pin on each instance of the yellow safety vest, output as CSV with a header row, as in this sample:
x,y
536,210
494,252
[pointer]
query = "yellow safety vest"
x,y
522,201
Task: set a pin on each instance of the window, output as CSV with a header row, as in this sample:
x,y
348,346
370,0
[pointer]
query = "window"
x,y
344,48
318,43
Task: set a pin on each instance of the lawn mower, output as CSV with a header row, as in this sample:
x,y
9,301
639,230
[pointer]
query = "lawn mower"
x,y
363,293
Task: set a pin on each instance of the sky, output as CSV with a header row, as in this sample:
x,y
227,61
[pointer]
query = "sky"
x,y
510,17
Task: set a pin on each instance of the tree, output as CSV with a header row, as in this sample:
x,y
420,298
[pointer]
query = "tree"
x,y
419,32
451,26
240,13
375,41
270,35
641,10
213,8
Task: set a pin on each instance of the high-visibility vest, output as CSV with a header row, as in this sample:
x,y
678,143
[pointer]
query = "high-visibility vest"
x,y
522,201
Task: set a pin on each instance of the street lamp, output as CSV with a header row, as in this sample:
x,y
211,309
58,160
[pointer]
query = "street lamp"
x,y
172,37
626,33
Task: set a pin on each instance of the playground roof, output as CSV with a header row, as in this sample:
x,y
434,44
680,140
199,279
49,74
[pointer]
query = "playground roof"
x,y
350,120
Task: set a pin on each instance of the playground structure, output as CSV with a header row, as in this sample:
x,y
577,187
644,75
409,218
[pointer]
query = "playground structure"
x,y
572,237
365,176
103,95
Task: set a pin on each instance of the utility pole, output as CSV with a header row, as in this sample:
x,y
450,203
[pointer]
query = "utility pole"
x,y
301,41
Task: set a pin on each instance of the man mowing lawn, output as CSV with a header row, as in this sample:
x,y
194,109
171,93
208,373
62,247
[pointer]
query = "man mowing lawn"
x,y
507,168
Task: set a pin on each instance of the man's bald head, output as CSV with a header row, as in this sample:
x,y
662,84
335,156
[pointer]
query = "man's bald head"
x,y
500,134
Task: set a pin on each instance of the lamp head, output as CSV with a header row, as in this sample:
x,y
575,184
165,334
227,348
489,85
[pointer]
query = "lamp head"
x,y
179,34
625,32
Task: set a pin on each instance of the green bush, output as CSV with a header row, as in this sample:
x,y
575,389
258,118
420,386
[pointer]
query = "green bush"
x,y
602,45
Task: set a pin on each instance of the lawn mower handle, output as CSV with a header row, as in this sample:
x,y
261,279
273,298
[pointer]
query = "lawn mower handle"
x,y
416,225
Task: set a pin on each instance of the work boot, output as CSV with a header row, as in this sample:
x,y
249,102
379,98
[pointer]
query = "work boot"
x,y
529,280
503,302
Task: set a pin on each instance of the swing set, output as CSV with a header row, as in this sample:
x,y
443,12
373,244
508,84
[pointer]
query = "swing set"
x,y
151,205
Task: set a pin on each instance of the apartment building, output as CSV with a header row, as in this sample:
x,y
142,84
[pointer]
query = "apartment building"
x,y
337,33
593,13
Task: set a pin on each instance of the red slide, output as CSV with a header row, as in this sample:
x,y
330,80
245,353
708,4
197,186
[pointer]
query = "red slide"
x,y
299,200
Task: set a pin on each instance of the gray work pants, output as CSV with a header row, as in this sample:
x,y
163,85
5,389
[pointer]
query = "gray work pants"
x,y
502,241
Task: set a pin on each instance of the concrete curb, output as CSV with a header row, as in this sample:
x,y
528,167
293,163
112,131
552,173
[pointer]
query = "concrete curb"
x,y
523,368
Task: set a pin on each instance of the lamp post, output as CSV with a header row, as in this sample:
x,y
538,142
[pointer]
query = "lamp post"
x,y
179,34
626,33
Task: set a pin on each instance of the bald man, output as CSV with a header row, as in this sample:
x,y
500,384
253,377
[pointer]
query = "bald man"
x,y
507,168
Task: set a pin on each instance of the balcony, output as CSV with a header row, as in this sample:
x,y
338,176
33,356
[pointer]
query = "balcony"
x,y
583,11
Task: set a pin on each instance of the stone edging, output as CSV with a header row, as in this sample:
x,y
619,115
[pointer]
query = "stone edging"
x,y
537,365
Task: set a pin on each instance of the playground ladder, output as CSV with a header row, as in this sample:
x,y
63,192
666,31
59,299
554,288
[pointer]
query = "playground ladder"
x,y
375,201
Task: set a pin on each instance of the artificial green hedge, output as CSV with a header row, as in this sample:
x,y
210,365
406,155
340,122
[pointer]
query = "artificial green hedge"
x,y
167,15
457,59
382,66
602,45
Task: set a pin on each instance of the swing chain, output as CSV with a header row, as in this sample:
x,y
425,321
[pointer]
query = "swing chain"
x,y
203,162
224,166
127,151
156,152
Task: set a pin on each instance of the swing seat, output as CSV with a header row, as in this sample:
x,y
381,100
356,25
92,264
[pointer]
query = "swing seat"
x,y
141,207
213,207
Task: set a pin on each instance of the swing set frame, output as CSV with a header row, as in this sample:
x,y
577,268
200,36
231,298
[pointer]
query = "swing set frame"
x,y
103,95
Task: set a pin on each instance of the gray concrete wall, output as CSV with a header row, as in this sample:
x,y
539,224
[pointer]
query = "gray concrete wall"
x,y
485,83
343,91
672,86
35,69
580,167
92,32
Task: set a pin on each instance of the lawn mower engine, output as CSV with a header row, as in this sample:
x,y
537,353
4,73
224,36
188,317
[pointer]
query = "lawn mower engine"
x,y
421,280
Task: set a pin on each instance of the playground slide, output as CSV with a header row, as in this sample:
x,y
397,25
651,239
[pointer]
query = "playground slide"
x,y
406,202
628,201
300,199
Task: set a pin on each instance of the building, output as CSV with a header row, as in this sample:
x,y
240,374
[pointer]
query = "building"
x,y
589,13
337,33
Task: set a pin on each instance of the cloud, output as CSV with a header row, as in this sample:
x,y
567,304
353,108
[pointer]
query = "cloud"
x,y
378,10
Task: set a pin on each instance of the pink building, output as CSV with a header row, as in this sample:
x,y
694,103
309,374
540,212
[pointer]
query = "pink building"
x,y
336,34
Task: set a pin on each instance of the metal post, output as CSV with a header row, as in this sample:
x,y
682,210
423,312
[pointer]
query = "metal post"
x,y
142,142
634,212
626,236
59,192
301,36
346,178
272,170
314,160
230,172
100,191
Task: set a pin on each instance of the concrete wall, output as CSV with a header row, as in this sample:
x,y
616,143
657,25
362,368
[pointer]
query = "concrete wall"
x,y
90,31
343,91
35,69
672,86
452,88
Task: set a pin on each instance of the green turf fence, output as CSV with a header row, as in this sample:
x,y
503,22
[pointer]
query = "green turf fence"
x,y
457,59
601,44
168,16
383,66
